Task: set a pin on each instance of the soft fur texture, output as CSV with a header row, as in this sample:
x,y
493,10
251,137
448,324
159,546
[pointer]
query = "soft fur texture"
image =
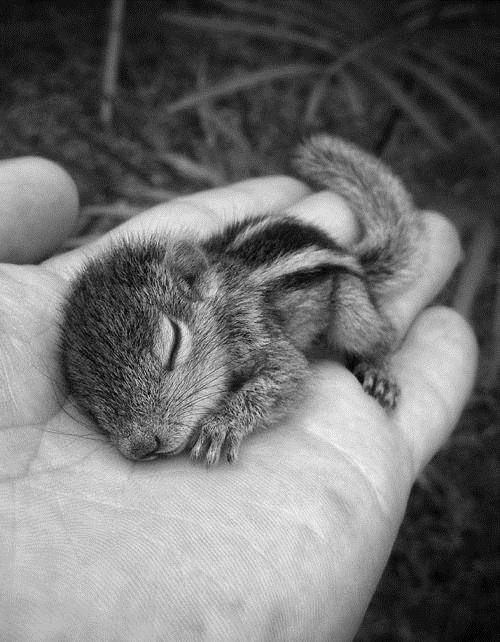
x,y
173,346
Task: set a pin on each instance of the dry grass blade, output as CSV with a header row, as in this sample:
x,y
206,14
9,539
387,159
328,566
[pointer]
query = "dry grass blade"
x,y
353,93
275,33
115,210
151,195
191,169
438,86
205,108
405,103
247,81
480,48
297,18
315,99
111,61
473,271
217,124
210,124
310,15
463,73
494,363
317,96
355,51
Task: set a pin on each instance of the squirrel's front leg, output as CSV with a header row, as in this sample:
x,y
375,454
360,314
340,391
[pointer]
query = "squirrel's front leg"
x,y
260,401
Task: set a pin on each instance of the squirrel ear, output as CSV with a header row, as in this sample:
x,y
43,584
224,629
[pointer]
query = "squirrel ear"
x,y
191,262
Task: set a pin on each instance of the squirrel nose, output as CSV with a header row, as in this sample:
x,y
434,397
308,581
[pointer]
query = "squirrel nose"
x,y
141,448
151,453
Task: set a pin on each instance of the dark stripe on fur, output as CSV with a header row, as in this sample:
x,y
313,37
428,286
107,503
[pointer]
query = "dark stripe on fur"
x,y
304,279
218,243
282,237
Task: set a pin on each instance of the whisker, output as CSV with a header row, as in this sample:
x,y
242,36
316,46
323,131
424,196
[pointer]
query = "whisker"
x,y
71,434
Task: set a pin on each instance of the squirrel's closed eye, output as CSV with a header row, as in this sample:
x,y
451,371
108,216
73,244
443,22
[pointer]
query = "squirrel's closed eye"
x,y
176,344
170,346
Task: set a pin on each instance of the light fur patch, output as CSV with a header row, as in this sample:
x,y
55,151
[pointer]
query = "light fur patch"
x,y
249,232
307,259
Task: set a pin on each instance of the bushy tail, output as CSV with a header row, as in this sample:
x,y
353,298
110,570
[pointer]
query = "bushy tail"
x,y
388,219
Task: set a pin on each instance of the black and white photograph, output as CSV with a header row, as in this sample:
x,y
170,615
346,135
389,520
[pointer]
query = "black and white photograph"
x,y
249,321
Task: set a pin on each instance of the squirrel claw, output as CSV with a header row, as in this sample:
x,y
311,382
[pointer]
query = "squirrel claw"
x,y
233,447
210,442
213,438
378,384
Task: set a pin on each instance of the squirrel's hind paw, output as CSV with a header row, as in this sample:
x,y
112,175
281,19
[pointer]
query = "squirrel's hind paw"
x,y
378,384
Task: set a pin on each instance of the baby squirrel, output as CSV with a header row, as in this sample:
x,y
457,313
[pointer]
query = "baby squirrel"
x,y
173,345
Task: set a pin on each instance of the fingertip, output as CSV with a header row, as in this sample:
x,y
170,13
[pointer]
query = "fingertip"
x,y
434,319
436,259
39,206
290,189
451,336
330,212
436,367
251,197
440,228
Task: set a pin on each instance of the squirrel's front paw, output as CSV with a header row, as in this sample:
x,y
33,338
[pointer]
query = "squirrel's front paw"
x,y
216,435
210,442
378,383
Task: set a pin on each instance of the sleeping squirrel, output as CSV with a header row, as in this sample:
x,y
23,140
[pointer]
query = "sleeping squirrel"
x,y
173,345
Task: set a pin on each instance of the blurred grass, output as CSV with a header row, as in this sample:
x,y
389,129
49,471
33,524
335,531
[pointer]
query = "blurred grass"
x,y
211,92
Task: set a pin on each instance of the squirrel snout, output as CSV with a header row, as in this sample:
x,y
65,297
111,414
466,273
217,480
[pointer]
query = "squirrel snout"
x,y
139,447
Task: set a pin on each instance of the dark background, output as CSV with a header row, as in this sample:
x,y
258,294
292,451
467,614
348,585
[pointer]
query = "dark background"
x,y
211,92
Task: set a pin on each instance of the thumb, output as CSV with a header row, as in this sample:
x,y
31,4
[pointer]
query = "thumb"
x,y
38,208
436,367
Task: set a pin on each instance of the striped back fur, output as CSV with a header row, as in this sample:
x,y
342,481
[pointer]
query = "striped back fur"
x,y
282,249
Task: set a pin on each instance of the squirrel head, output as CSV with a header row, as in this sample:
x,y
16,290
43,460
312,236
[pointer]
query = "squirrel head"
x,y
141,350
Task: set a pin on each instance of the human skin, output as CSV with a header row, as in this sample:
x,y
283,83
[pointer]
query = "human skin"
x,y
286,544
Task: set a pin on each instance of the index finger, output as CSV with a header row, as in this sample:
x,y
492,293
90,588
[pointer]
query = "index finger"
x,y
440,253
201,213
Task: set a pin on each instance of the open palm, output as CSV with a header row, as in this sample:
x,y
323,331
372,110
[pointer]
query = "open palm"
x,y
288,543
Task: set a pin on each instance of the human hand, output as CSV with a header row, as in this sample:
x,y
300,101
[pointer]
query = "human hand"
x,y
287,544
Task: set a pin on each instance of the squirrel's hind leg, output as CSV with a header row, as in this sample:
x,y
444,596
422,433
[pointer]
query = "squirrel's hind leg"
x,y
359,330
378,382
